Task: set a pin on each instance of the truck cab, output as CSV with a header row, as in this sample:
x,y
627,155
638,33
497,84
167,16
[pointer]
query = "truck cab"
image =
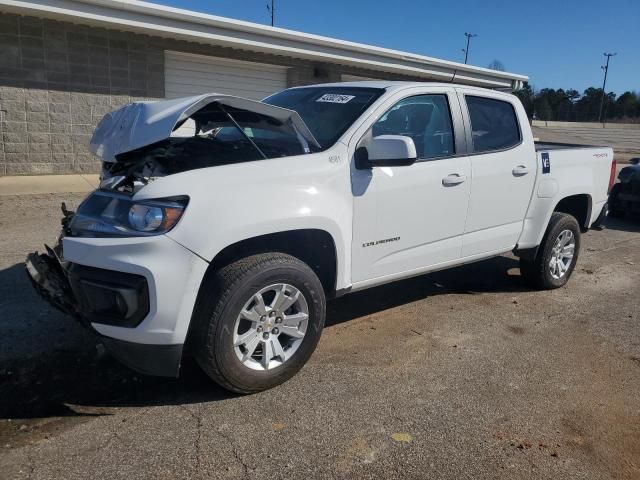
x,y
470,151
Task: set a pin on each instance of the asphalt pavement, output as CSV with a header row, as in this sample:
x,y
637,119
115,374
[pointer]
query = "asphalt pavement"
x,y
464,373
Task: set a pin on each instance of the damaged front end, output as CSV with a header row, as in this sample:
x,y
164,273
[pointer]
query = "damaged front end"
x,y
47,273
87,294
137,144
124,233
144,141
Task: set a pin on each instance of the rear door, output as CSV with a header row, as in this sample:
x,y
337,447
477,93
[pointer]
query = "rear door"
x,y
407,219
503,166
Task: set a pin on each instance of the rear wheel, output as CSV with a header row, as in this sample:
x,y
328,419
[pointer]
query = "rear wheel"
x,y
258,321
557,255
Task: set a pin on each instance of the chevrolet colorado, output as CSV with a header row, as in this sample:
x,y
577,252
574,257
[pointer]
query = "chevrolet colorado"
x,y
221,224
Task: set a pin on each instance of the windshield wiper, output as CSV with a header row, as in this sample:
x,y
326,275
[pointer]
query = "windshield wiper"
x,y
240,129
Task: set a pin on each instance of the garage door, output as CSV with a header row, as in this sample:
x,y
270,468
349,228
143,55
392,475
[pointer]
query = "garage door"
x,y
187,74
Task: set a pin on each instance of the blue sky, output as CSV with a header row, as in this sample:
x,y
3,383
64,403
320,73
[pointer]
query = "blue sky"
x,y
558,43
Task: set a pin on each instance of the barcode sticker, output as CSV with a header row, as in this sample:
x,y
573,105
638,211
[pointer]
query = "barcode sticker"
x,y
335,98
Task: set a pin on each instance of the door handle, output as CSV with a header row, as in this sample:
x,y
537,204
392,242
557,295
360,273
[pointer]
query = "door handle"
x,y
520,171
453,179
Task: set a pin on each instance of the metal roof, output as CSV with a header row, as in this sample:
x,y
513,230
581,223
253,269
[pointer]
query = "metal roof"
x,y
159,20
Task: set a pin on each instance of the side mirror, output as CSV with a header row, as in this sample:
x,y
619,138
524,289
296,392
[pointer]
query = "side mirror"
x,y
386,151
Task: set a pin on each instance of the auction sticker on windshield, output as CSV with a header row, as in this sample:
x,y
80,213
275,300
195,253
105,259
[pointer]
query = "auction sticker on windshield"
x,y
335,98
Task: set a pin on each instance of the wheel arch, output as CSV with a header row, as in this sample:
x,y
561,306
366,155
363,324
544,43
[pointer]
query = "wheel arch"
x,y
579,206
315,247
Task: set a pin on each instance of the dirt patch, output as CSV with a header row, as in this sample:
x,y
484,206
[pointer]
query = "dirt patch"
x,y
516,330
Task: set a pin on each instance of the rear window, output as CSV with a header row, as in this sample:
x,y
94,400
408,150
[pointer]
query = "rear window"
x,y
494,125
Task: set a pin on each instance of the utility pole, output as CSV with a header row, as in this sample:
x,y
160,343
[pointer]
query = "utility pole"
x,y
604,83
466,50
272,9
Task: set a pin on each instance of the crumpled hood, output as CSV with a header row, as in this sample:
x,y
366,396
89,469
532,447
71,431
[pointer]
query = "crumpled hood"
x,y
139,124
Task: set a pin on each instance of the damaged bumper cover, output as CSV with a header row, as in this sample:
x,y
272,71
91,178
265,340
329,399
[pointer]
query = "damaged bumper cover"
x,y
120,307
92,295
49,280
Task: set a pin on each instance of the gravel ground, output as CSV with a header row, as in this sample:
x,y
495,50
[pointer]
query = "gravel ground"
x,y
459,374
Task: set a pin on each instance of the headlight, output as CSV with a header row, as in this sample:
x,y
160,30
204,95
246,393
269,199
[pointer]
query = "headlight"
x,y
110,214
146,218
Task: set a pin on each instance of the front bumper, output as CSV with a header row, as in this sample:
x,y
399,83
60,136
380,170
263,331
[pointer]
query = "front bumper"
x,y
137,294
159,360
50,282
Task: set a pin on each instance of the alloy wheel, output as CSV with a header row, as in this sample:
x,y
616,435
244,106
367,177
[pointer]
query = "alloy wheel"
x,y
562,254
270,327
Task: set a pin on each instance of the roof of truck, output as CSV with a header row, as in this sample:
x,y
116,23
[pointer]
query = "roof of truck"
x,y
395,85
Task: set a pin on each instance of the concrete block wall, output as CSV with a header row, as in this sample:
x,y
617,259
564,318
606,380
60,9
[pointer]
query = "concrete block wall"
x,y
57,80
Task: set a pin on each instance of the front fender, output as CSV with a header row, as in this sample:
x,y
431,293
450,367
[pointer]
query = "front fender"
x,y
231,203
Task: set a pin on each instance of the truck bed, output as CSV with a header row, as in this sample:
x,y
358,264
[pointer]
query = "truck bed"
x,y
546,146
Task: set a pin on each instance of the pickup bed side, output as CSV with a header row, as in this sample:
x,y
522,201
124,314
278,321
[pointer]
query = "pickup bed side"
x,y
577,173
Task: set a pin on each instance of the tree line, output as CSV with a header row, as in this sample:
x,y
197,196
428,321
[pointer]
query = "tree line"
x,y
571,106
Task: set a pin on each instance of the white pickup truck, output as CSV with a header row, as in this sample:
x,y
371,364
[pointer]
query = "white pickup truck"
x,y
222,224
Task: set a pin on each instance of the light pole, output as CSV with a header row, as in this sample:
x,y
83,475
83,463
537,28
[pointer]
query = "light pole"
x,y
272,9
466,50
604,83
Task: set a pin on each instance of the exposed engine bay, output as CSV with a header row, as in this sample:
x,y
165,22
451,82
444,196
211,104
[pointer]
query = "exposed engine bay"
x,y
208,133
175,155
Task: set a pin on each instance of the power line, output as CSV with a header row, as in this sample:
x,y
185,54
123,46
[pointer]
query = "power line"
x,y
604,83
466,50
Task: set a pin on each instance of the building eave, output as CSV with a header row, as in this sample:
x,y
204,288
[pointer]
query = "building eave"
x,y
159,20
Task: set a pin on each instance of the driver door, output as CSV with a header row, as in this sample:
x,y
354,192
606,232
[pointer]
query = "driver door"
x,y
412,218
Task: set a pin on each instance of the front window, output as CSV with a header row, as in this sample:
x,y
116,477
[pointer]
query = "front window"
x,y
327,111
426,119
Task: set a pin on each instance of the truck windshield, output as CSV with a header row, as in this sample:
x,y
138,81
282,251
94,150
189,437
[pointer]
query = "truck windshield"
x,y
327,111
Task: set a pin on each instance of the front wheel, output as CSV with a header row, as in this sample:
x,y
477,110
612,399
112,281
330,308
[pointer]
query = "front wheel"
x,y
258,320
557,254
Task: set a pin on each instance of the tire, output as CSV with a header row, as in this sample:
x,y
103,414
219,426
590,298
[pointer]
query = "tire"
x,y
219,323
539,272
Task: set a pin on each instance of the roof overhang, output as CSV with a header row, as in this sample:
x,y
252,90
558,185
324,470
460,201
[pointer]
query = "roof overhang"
x,y
159,20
